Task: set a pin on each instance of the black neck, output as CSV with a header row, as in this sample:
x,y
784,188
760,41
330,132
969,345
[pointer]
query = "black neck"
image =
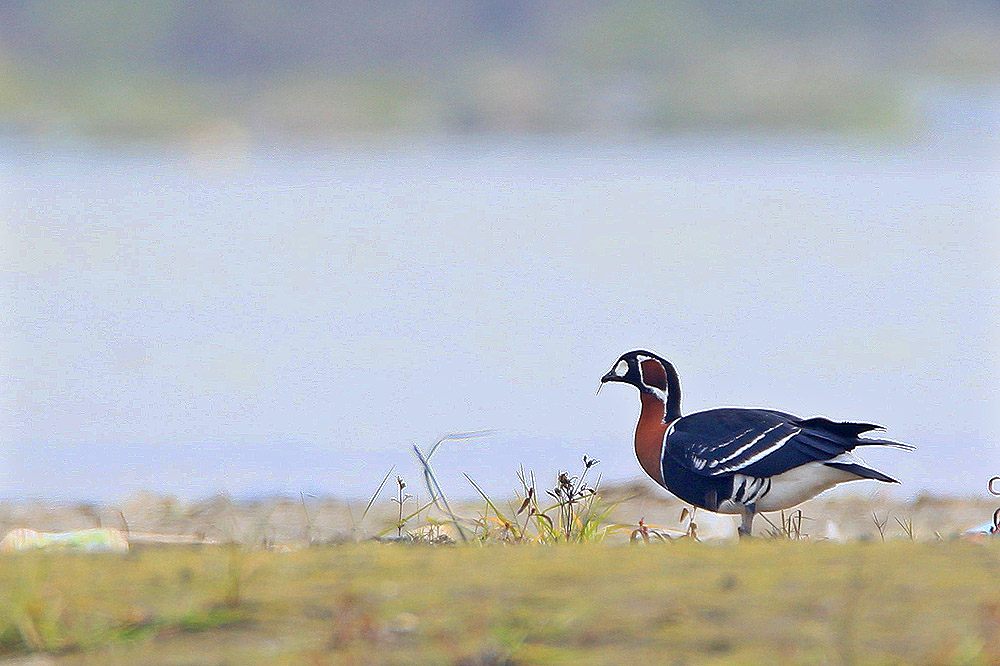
x,y
672,408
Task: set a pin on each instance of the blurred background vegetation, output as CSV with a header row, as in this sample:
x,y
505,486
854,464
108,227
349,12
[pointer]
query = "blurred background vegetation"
x,y
312,69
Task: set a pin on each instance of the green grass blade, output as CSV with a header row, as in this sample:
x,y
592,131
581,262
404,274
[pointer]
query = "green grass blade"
x,y
489,502
405,519
437,495
454,436
377,491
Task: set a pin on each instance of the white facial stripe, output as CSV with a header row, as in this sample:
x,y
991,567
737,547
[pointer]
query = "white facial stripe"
x,y
621,369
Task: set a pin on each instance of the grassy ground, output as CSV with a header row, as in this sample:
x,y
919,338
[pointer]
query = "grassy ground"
x,y
766,602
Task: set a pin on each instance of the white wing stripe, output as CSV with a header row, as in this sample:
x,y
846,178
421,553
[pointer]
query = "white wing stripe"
x,y
769,450
725,444
716,463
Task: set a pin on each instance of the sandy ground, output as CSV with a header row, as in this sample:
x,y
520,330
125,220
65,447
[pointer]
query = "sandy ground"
x,y
840,514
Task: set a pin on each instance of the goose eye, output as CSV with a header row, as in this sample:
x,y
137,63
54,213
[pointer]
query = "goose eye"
x,y
621,369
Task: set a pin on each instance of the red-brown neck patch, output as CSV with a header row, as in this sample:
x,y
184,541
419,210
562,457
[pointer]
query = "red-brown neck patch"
x,y
653,374
649,435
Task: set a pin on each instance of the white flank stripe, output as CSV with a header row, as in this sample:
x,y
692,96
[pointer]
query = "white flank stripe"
x,y
747,446
768,451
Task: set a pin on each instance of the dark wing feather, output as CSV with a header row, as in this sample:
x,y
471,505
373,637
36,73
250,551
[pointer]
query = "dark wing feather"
x,y
757,442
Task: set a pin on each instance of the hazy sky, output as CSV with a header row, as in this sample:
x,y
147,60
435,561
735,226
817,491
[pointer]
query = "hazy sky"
x,y
285,320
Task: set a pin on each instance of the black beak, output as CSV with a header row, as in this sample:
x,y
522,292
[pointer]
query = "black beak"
x,y
610,377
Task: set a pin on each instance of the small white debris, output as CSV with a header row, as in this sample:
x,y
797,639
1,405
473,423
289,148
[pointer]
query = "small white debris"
x,y
97,540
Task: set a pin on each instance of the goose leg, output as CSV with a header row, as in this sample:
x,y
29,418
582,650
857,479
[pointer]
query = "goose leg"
x,y
746,527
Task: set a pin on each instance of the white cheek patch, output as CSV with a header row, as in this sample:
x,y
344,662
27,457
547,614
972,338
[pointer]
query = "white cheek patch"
x,y
621,369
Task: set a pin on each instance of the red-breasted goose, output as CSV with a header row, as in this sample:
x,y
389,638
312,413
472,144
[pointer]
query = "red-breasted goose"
x,y
737,461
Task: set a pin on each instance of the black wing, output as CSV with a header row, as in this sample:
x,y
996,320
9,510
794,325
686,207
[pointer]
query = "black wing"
x,y
757,442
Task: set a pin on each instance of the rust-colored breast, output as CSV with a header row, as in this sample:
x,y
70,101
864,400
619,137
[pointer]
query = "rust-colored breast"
x,y
649,436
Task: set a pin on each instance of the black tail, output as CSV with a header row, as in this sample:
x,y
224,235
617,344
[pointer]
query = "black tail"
x,y
822,427
844,429
862,471
885,442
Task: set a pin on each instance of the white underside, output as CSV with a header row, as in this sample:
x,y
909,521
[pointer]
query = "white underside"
x,y
798,485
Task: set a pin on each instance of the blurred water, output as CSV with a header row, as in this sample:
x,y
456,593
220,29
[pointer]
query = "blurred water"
x,y
270,318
